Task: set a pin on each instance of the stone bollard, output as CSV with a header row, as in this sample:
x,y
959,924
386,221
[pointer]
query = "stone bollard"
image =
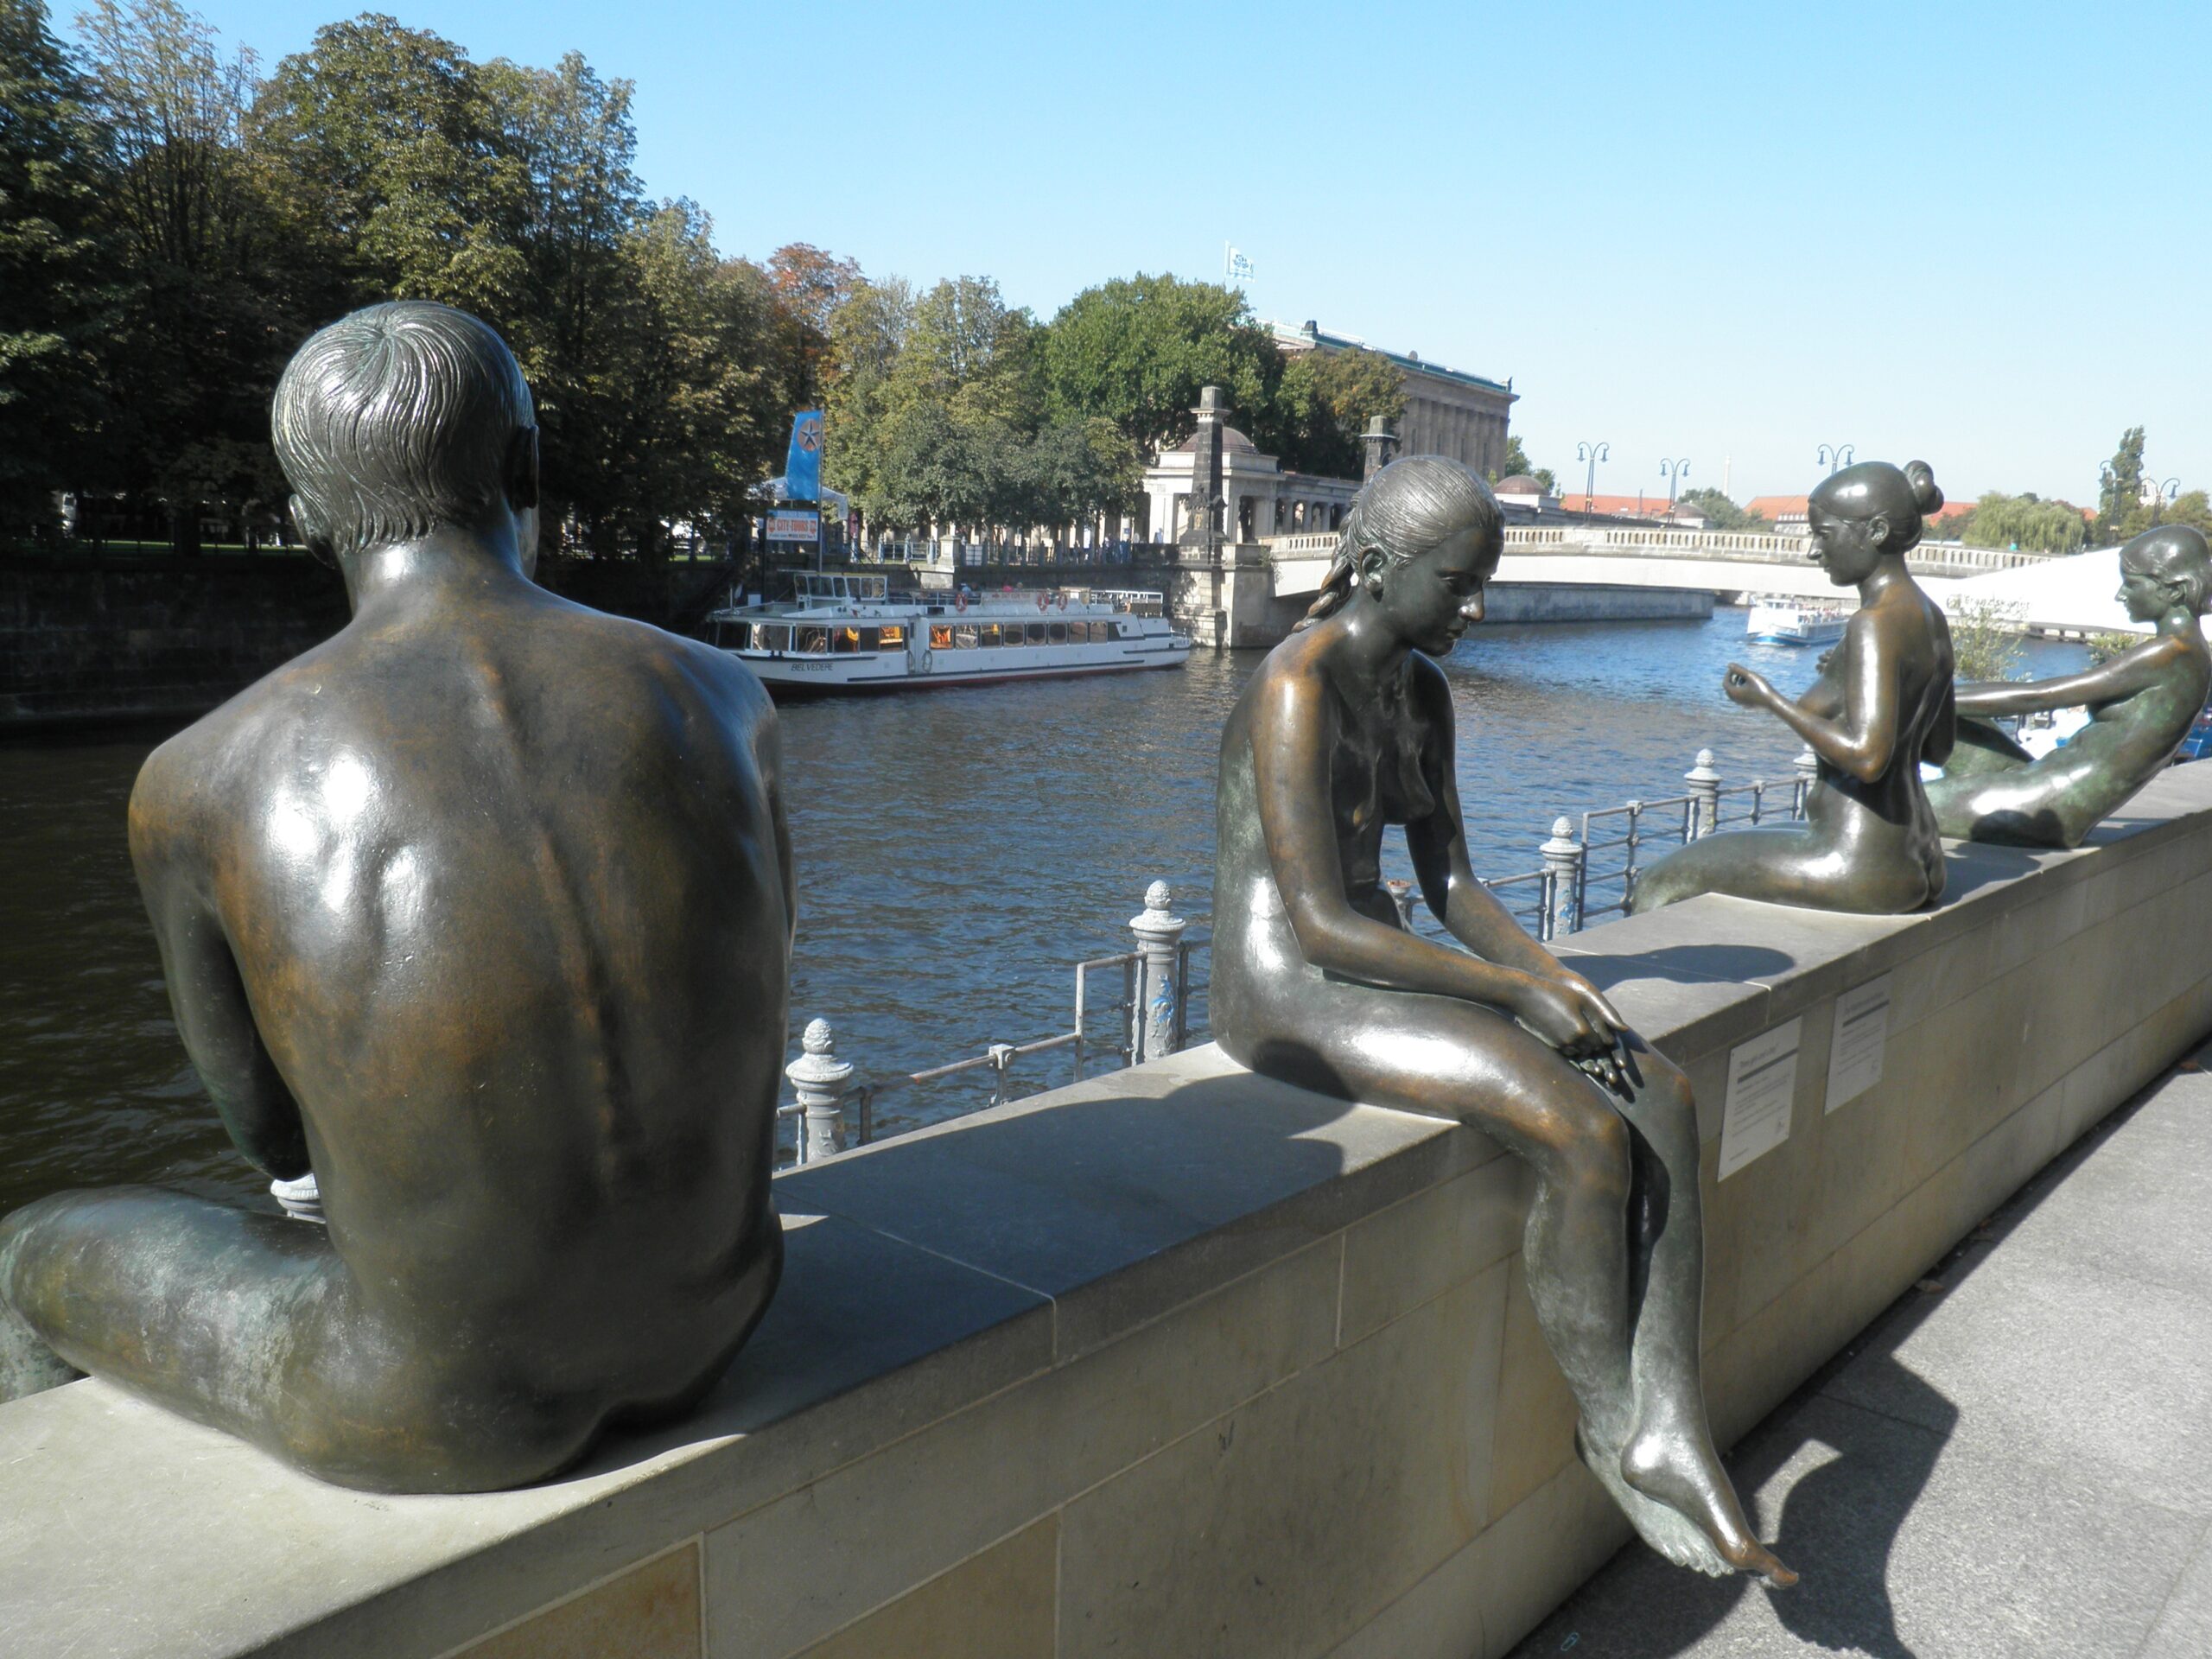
x,y
1151,1021
819,1077
303,1199
1705,796
1563,856
1401,891
1808,773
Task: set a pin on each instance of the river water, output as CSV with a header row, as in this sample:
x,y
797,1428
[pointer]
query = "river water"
x,y
958,852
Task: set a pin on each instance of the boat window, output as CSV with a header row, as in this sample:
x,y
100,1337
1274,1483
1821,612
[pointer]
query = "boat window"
x,y
963,638
772,637
813,641
1078,633
1033,634
843,640
892,638
733,636
987,635
1057,632
940,638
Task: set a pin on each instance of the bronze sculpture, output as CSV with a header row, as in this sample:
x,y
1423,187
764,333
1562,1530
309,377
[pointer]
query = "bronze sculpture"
x,y
2141,705
482,910
1883,703
1347,728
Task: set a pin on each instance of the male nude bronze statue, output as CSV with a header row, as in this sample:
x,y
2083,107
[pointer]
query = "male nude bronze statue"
x,y
480,910
2141,704
1347,728
1882,704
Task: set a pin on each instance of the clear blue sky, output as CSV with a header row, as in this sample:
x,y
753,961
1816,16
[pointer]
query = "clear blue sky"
x,y
1980,234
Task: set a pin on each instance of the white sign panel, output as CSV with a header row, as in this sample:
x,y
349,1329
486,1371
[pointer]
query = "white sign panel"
x,y
794,525
1862,1034
1762,1083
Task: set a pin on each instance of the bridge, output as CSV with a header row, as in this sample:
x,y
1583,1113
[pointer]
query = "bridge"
x,y
1725,563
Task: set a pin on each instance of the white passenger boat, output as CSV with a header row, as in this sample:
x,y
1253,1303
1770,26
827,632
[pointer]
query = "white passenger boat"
x,y
1780,621
851,633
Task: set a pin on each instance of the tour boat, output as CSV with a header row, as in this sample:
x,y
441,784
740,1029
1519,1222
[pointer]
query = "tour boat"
x,y
1778,621
851,633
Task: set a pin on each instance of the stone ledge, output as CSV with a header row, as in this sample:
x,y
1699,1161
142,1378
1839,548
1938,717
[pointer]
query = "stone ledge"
x,y
997,1282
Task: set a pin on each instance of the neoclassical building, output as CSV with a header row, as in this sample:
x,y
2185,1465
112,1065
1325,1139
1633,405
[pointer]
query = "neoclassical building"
x,y
1449,411
1260,499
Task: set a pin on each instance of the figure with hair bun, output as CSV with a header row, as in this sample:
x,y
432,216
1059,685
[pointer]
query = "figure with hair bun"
x,y
2141,704
1345,730
1882,705
480,912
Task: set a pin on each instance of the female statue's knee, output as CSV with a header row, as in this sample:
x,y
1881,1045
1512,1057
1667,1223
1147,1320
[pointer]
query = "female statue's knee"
x,y
1595,1159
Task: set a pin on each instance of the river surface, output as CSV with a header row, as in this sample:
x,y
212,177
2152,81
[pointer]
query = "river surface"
x,y
958,852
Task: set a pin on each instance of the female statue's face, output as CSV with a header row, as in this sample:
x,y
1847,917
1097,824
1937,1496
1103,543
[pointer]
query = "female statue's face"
x,y
2146,597
1847,549
1434,600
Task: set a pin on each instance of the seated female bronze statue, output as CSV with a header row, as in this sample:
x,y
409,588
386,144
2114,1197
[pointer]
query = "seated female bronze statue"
x,y
1345,729
2141,707
1881,705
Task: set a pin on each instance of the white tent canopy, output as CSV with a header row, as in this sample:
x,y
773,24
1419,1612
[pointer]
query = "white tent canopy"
x,y
2077,592
779,489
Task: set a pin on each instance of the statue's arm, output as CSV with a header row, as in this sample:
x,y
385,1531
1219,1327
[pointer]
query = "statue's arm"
x,y
205,992
1861,738
1471,913
2123,676
1291,750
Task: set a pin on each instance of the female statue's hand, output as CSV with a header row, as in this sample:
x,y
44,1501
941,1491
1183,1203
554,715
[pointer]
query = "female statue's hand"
x,y
1568,1012
1748,687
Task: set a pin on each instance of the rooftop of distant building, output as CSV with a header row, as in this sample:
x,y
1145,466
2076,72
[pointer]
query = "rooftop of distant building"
x,y
1309,335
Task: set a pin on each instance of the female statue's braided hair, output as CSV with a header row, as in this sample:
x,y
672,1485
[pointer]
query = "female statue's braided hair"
x,y
1410,506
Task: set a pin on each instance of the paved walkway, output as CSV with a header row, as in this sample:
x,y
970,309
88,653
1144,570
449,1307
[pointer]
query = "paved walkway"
x,y
2014,1461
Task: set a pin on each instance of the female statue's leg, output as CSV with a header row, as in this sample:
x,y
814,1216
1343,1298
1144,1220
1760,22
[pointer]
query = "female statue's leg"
x,y
1612,1253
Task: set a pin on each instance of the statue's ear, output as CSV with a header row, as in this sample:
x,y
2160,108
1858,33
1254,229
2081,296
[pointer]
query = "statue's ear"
x,y
522,469
314,535
1878,530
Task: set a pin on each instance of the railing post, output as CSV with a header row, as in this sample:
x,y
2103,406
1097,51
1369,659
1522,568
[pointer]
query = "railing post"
x,y
1001,1057
1705,796
303,1199
1808,773
1153,1011
1563,856
1401,895
818,1077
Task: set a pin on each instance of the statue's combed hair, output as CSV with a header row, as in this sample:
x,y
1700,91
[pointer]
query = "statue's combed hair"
x,y
1411,506
397,419
2178,554
1905,495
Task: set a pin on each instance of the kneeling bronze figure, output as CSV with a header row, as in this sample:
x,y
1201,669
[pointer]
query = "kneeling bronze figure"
x,y
481,911
1883,703
1345,729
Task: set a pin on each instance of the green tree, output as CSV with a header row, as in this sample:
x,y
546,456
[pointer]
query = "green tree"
x,y
204,329
2192,507
2122,494
1136,350
865,335
1720,512
1323,403
1517,465
1985,640
57,299
2023,521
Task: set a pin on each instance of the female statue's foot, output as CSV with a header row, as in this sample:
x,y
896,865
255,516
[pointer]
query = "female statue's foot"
x,y
1668,1534
1688,1481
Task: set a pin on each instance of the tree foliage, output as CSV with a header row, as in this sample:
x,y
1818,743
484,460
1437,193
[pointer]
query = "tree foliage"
x,y
1516,464
56,298
2022,521
1135,351
1323,403
1720,511
2121,491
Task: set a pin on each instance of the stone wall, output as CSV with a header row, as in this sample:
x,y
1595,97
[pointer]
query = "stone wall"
x,y
87,638
1179,1361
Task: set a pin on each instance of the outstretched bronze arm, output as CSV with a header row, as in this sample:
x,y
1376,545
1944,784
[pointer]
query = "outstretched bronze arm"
x,y
2135,670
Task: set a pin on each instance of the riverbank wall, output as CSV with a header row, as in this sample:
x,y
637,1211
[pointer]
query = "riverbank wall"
x,y
91,640
1180,1360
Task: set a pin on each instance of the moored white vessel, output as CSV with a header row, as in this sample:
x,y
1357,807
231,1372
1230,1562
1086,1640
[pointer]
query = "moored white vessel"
x,y
851,633
1778,620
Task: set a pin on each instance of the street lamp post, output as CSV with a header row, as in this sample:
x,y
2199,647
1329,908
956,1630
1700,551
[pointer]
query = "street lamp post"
x,y
1832,458
1592,453
2160,495
1674,472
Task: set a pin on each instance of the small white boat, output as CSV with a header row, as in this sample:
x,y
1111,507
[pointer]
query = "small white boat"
x,y
1780,621
850,633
